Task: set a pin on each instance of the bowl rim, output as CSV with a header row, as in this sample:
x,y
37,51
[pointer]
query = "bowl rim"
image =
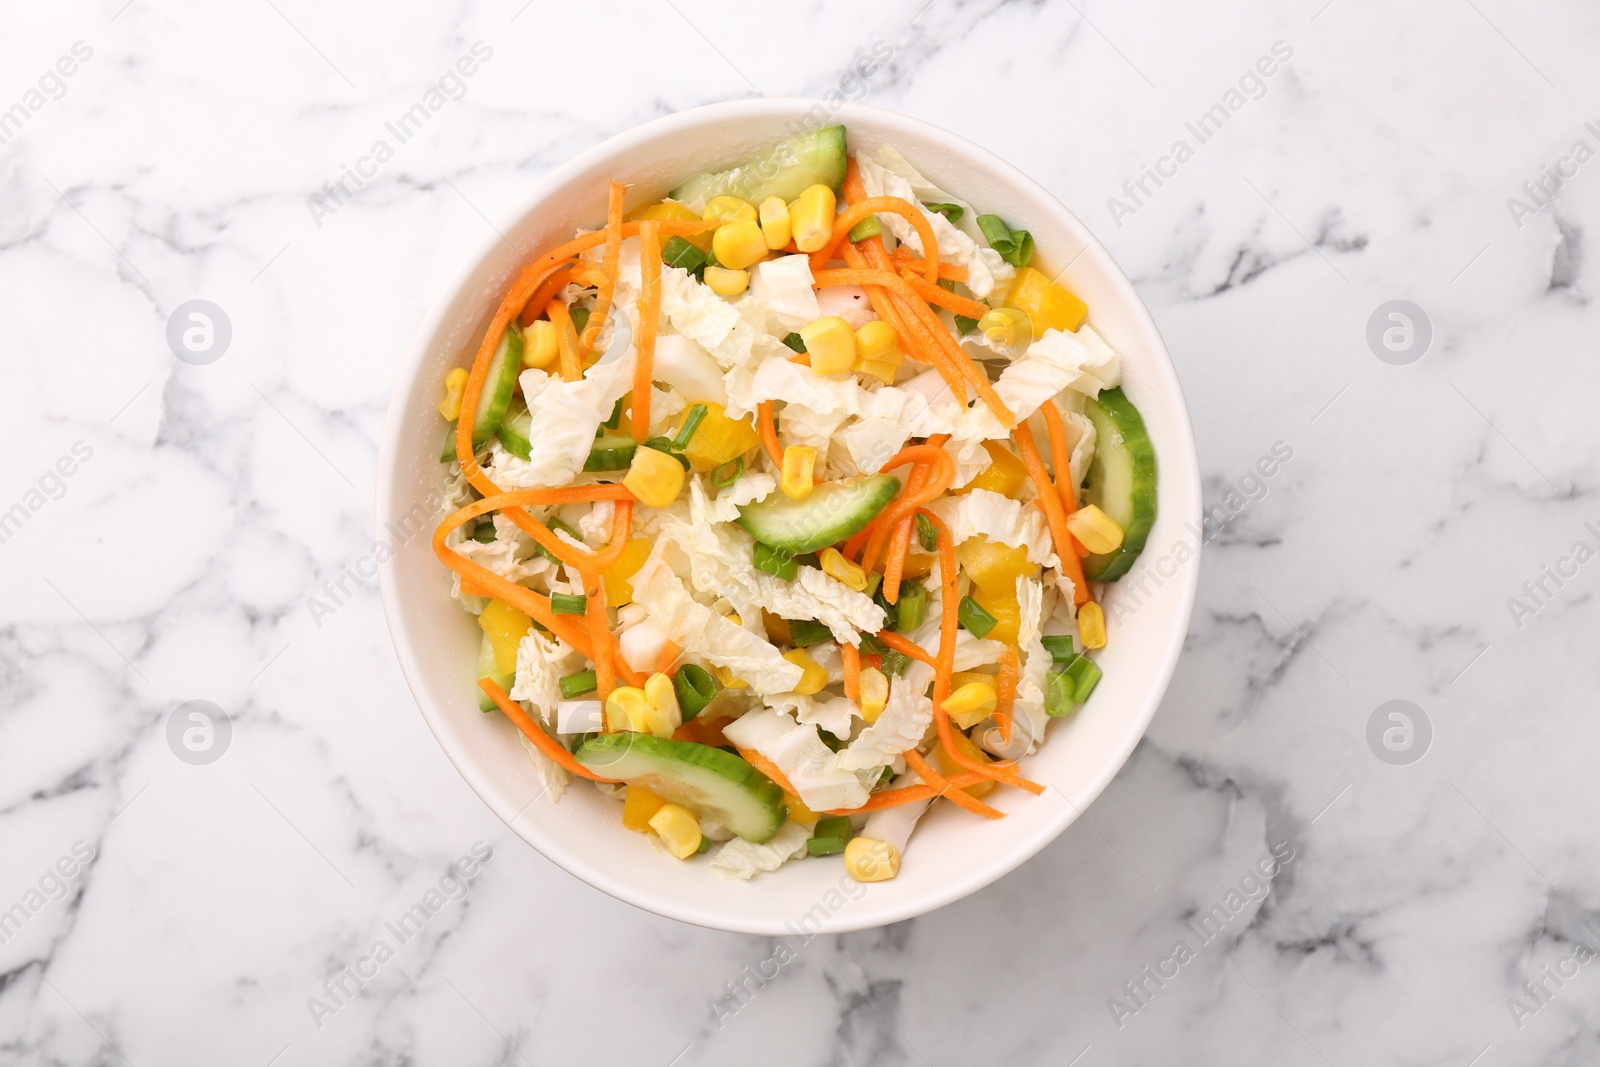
x,y
1184,465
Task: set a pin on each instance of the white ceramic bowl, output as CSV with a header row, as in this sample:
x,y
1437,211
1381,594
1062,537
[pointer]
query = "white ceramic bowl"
x,y
952,853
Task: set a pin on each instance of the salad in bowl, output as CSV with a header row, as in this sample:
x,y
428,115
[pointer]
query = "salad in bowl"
x,y
785,502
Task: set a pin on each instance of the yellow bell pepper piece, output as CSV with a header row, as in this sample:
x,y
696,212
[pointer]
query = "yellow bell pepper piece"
x,y
951,768
814,678
506,627
798,812
993,567
638,805
719,438
618,577
1005,473
1006,611
1048,306
669,210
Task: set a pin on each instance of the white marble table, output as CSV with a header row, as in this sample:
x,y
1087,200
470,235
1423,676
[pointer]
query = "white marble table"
x,y
166,524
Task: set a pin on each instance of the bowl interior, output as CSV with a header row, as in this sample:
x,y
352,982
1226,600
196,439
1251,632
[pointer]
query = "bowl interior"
x,y
952,853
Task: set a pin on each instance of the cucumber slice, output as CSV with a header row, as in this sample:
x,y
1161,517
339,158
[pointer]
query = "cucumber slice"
x,y
830,514
709,782
488,669
784,170
611,452
1122,481
516,431
498,385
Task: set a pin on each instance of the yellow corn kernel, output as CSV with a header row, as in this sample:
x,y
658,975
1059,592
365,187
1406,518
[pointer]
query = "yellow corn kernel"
x,y
506,627
679,830
1095,530
727,679
799,471
654,477
970,699
738,245
719,438
1092,625
883,370
725,209
876,339
970,719
874,693
727,282
665,716
618,577
868,860
454,383
539,345
1007,330
1047,305
1005,473
671,210
798,812
638,805
814,678
951,768
775,222
833,564
627,708
811,218
831,343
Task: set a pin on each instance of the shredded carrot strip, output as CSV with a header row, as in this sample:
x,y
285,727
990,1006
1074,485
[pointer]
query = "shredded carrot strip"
x,y
963,362
535,605
608,287
902,287
944,664
957,797
544,294
860,210
904,260
769,433
768,768
1055,517
942,473
906,647
909,794
669,655
546,744
594,592
1005,691
857,539
900,539
649,323
567,340
852,671
1059,458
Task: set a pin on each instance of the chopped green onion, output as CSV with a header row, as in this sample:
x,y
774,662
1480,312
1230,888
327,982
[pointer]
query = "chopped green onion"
x,y
947,284
728,473
1085,675
777,562
1059,646
927,536
874,582
795,341
833,826
694,688
977,621
483,533
665,444
867,227
680,253
610,453
704,845
1014,246
575,685
965,325
691,423
803,633
568,604
953,212
580,318
556,524
871,646
1058,699
912,608
825,846
895,663
616,416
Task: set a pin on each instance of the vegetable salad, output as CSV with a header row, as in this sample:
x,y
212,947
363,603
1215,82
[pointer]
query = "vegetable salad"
x,y
784,503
